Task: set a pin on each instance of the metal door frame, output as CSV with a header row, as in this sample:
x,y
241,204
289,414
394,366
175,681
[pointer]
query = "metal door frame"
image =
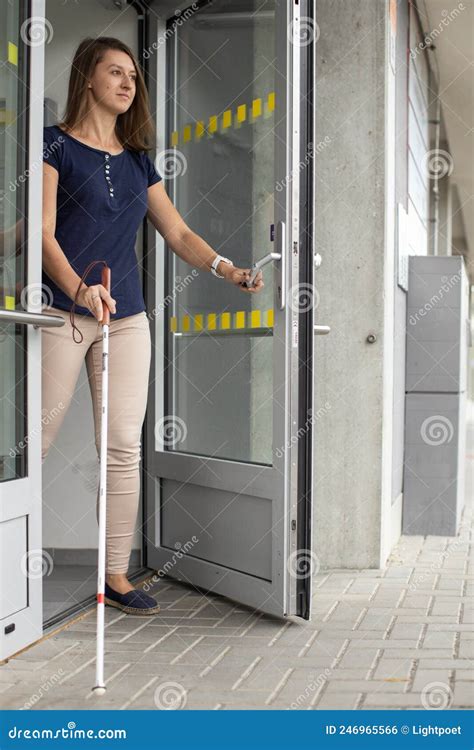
x,y
296,363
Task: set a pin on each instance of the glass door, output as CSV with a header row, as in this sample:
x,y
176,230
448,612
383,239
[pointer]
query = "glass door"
x,y
21,123
228,485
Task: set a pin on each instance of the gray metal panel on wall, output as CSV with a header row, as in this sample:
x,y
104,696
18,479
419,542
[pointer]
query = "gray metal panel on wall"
x,y
437,324
434,449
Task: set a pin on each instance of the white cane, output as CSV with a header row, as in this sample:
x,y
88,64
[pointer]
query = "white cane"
x,y
99,687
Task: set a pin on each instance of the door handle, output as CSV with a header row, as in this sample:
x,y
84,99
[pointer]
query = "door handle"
x,y
321,330
258,265
281,247
37,320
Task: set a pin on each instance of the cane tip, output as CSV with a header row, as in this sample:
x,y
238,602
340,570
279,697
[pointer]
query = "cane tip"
x,y
99,690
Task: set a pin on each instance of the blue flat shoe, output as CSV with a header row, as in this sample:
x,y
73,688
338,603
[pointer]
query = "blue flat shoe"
x,y
134,602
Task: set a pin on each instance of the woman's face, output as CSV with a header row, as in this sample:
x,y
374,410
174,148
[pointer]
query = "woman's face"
x,y
113,84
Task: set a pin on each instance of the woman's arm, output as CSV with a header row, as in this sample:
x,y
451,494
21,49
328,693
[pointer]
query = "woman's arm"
x,y
192,248
55,263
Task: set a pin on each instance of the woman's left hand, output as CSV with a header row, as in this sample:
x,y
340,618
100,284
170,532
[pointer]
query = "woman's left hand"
x,y
237,275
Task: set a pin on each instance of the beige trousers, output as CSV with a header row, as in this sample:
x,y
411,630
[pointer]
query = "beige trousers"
x,y
128,373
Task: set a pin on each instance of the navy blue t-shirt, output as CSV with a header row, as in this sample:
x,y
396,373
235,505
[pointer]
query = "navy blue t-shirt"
x,y
101,202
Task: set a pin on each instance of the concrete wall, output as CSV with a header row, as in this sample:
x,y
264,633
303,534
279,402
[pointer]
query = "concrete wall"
x,y
353,442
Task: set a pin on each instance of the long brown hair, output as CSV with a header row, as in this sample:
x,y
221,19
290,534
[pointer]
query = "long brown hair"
x,y
134,128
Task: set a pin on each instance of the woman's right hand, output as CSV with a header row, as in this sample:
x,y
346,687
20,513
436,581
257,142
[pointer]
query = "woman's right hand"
x,y
92,296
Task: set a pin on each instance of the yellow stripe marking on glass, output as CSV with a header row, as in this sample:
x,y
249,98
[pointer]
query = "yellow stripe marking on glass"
x,y
12,53
255,319
199,129
198,322
211,321
225,320
238,320
241,113
227,119
9,302
256,108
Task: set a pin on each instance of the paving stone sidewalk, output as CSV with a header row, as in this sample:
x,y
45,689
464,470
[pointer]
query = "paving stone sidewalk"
x,y
399,638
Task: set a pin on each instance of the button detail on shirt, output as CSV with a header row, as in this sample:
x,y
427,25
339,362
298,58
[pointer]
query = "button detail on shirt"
x,y
107,169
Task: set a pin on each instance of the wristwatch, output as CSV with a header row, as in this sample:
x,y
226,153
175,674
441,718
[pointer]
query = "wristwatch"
x,y
216,262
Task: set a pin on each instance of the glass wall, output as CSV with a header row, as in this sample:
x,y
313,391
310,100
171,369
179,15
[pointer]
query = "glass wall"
x,y
13,259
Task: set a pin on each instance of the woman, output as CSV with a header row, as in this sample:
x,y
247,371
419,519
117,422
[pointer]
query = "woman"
x,y
98,184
